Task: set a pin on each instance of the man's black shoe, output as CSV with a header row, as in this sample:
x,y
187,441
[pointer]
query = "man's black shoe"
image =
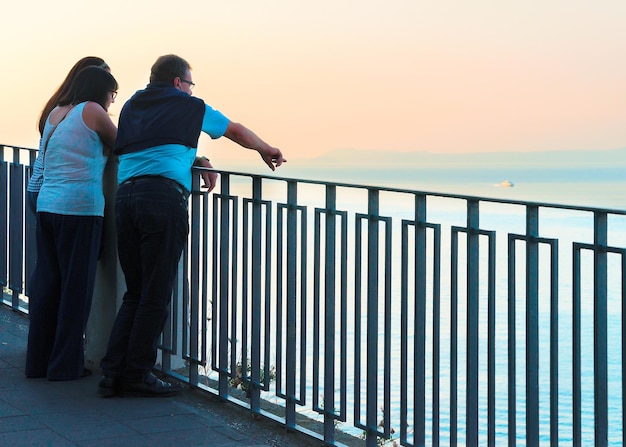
x,y
151,386
108,386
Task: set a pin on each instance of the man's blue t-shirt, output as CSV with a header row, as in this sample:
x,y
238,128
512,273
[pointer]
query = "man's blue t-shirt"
x,y
179,158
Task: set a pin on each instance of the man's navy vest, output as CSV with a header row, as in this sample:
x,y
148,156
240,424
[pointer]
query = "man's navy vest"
x,y
160,114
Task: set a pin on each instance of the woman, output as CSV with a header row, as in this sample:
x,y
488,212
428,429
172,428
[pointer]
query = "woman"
x,y
70,209
36,178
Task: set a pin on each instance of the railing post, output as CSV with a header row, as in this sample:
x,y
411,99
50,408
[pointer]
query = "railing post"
x,y
16,246
257,302
600,375
224,269
473,246
292,254
532,325
554,342
330,259
419,328
194,307
30,232
372,318
4,222
511,343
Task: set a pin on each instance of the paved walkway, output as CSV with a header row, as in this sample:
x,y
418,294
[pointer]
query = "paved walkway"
x,y
37,412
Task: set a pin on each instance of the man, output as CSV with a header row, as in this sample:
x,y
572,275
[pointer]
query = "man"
x,y
157,138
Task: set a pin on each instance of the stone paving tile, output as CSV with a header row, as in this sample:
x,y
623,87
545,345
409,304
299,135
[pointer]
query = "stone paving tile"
x,y
35,438
231,433
122,441
124,409
159,424
128,441
32,399
11,345
80,426
196,438
19,423
38,412
7,410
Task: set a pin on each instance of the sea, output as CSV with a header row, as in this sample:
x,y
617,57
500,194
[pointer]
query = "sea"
x,y
603,187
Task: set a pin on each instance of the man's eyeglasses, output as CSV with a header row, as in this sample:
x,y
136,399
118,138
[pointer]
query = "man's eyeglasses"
x,y
113,94
191,84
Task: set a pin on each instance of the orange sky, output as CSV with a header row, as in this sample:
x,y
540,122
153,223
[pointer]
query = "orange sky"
x,y
311,77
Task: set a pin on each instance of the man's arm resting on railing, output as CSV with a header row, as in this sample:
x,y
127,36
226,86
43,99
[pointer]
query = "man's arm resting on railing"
x,y
209,177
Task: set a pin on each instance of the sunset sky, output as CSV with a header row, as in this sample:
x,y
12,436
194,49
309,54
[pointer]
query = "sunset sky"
x,y
312,77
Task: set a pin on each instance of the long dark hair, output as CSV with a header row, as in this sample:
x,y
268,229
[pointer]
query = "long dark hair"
x,y
64,88
91,84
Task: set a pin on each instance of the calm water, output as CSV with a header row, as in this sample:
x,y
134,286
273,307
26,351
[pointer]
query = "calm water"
x,y
605,187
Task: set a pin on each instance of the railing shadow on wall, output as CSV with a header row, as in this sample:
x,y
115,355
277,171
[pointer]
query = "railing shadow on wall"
x,y
362,315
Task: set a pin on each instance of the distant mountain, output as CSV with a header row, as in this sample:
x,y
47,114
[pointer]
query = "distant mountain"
x,y
420,159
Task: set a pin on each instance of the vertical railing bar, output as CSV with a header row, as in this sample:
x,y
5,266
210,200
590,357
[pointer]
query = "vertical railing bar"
x,y
329,313
205,280
623,254
436,333
30,236
344,316
215,282
279,304
454,336
245,295
554,343
16,229
387,333
371,436
600,330
473,226
257,303
404,310
576,360
4,224
292,256
357,320
303,304
511,326
532,325
316,308
420,320
234,282
224,262
267,321
231,303
491,341
194,291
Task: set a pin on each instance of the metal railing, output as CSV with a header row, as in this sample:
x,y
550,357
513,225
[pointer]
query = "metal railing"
x,y
357,314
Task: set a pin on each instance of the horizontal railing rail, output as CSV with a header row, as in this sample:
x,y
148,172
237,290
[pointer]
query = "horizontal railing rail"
x,y
359,314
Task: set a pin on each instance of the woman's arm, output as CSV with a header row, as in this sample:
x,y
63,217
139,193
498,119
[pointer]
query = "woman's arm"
x,y
98,120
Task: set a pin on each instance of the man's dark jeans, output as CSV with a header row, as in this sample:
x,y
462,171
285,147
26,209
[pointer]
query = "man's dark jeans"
x,y
152,227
